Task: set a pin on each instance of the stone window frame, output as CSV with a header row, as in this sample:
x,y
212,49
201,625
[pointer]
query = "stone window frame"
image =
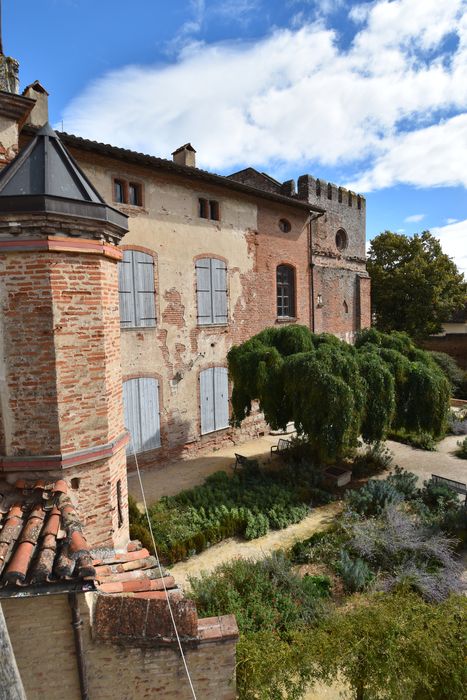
x,y
341,240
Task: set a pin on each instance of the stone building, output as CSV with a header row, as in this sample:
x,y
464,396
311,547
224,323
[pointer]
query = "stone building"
x,y
208,262
124,281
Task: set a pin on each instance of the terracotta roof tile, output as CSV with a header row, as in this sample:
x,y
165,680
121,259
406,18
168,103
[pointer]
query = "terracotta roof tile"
x,y
41,539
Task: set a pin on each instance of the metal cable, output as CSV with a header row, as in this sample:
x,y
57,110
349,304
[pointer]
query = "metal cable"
x,y
162,576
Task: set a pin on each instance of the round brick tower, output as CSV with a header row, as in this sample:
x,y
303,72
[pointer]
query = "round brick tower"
x,y
61,411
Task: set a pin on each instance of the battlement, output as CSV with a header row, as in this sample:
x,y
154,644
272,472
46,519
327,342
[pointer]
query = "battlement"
x,y
322,193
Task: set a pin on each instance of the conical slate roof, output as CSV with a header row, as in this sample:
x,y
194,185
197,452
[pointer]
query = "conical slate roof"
x,y
44,177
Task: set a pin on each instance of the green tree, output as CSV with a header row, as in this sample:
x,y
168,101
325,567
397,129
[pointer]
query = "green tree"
x,y
334,391
393,647
415,286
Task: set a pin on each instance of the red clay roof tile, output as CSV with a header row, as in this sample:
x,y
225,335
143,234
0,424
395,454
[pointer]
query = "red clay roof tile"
x,y
33,516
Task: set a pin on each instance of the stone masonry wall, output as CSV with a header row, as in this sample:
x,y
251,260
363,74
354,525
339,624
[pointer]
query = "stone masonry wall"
x,y
42,638
61,381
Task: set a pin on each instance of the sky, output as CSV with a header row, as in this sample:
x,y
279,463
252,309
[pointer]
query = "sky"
x,y
369,95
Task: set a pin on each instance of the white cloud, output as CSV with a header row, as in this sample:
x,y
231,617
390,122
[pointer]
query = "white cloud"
x,y
296,97
452,221
414,218
453,239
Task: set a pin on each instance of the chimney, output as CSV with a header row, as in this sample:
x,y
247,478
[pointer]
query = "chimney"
x,y
40,112
185,155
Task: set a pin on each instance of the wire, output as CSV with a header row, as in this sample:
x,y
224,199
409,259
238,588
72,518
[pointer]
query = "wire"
x,y
162,575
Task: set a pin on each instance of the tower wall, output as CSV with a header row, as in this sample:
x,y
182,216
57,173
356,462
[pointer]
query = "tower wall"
x,y
60,373
341,285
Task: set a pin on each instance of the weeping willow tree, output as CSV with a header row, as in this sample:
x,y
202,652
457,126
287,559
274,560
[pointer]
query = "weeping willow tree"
x,y
335,392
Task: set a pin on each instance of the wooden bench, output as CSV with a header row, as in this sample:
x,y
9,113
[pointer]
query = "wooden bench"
x,y
456,486
282,446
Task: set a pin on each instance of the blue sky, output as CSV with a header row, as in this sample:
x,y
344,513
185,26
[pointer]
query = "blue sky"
x,y
372,95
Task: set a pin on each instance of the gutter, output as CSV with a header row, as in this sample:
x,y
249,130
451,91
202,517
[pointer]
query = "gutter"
x,y
311,267
77,625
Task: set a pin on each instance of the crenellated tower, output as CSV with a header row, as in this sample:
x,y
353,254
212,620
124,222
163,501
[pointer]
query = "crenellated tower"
x,y
340,283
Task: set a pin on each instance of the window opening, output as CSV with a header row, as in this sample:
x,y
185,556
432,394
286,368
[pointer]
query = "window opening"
x,y
119,503
119,191
285,291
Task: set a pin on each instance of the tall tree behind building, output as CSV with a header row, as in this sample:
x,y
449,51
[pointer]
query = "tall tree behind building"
x,y
415,286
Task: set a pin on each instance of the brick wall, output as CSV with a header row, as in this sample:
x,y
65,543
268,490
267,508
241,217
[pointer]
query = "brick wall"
x,y
42,638
454,344
61,379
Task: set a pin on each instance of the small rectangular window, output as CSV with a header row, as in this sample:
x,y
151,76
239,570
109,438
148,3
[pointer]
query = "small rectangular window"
x,y
214,210
203,208
119,191
134,194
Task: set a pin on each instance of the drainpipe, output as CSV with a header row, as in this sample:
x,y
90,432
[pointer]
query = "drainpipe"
x,y
311,267
77,624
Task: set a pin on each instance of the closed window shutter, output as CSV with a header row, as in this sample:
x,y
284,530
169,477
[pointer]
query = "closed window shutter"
x,y
126,290
204,291
149,411
221,397
143,266
131,414
219,290
142,414
206,390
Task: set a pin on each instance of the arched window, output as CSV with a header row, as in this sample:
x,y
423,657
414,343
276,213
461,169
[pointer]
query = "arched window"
x,y
285,280
141,413
214,399
136,290
211,291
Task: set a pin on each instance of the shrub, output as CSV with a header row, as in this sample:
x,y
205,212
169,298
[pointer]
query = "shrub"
x,y
398,549
355,573
322,547
420,441
373,498
461,452
375,459
264,595
404,482
451,369
247,505
437,496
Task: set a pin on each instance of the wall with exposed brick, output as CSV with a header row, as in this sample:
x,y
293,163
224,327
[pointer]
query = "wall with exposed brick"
x,y
249,239
42,638
60,377
454,344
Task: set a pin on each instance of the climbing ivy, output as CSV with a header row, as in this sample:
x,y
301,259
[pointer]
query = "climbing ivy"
x,y
334,391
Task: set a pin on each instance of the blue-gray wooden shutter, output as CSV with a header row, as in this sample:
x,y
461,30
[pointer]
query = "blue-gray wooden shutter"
x,y
221,397
204,291
211,288
143,266
219,290
131,414
206,392
142,414
126,290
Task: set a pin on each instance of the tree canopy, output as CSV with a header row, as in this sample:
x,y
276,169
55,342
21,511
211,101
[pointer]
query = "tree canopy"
x,y
334,392
415,286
